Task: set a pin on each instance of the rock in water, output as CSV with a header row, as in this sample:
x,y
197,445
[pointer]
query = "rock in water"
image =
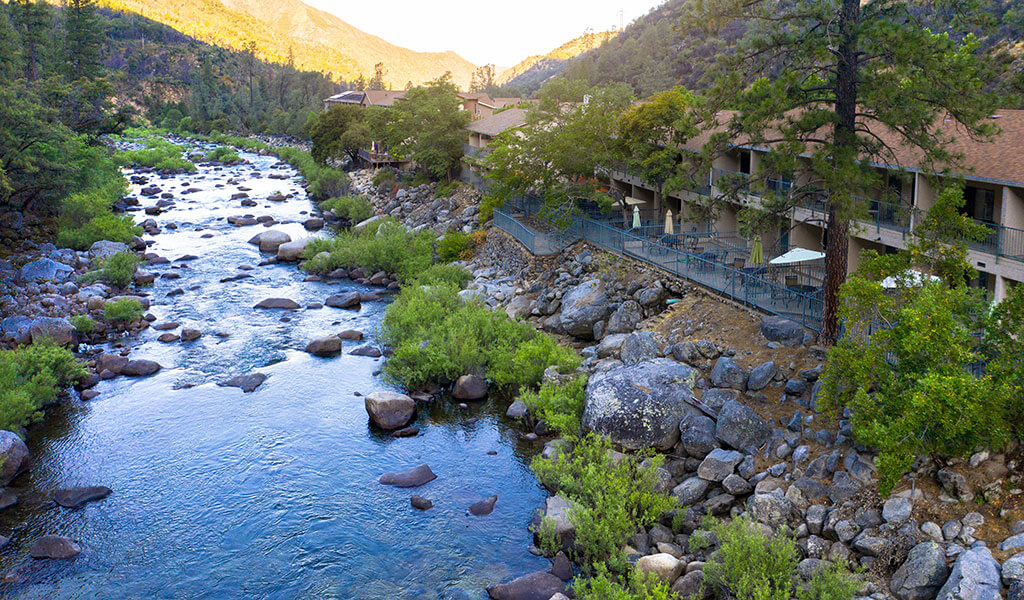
x,y
77,496
291,251
390,410
277,303
270,241
140,368
54,546
640,406
421,503
248,383
328,346
346,300
414,477
14,456
470,387
539,585
483,507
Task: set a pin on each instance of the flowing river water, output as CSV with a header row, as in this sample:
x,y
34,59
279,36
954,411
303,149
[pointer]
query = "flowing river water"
x,y
272,494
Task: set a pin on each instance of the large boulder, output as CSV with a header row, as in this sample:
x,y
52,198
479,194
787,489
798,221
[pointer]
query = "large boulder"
x,y
140,368
664,566
625,319
16,329
556,510
782,331
638,347
772,509
105,249
470,387
975,576
60,331
45,269
922,574
54,546
346,300
291,251
269,241
640,406
582,307
14,456
390,410
540,585
740,427
409,478
728,374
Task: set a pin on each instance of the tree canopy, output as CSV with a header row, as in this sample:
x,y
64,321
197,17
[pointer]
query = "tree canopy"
x,y
340,132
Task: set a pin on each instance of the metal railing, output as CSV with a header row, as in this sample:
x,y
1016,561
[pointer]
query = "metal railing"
x,y
1002,241
538,243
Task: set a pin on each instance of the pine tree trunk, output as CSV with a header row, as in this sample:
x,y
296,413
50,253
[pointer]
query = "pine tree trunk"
x,y
845,138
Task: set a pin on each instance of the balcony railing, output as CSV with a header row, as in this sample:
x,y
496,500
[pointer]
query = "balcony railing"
x,y
1002,241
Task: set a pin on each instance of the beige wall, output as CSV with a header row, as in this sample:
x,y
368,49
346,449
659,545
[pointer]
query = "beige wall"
x,y
1012,208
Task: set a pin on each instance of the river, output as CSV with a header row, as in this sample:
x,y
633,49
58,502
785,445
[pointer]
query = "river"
x,y
272,494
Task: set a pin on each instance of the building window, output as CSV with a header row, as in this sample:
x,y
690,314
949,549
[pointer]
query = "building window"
x,y
980,203
745,161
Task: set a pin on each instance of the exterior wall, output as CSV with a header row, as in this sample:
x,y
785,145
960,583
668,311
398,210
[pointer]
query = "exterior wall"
x,y
806,236
856,247
1012,213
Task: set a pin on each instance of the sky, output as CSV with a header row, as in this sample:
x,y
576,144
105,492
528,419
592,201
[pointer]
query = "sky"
x,y
484,32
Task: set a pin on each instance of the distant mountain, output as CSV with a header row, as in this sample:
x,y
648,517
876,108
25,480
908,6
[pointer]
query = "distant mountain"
x,y
535,70
289,30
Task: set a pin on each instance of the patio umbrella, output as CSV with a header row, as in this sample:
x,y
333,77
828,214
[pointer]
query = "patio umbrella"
x,y
756,252
797,255
636,217
670,227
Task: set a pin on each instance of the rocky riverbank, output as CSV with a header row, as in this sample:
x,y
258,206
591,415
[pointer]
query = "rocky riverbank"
x,y
731,398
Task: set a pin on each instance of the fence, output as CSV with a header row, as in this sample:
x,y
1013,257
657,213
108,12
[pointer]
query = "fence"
x,y
541,244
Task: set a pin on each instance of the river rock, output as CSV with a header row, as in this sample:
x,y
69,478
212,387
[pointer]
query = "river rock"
x,y
421,503
640,406
638,347
351,334
140,368
326,346
728,374
60,331
54,546
371,351
115,363
313,224
78,496
105,249
582,307
782,331
390,410
761,376
45,269
470,387
740,427
17,329
414,477
663,566
277,303
975,576
190,334
540,585
291,251
248,383
922,574
346,300
14,456
269,241
483,507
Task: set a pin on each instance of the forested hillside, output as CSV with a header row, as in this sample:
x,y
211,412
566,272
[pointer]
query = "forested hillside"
x,y
653,54
291,31
532,72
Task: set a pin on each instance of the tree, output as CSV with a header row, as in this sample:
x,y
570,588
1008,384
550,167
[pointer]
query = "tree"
x,y
482,79
83,40
428,127
906,366
31,18
377,82
560,150
251,63
833,86
339,132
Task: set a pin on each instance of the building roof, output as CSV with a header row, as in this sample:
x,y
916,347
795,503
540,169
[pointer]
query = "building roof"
x,y
503,102
995,160
383,97
498,122
481,96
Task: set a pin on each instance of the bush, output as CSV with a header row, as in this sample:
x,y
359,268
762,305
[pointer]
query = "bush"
x,y
119,269
157,153
560,405
388,247
384,176
614,497
447,189
454,246
354,208
31,378
115,228
750,565
223,154
831,582
449,275
123,311
434,334
84,324
85,217
633,586
488,204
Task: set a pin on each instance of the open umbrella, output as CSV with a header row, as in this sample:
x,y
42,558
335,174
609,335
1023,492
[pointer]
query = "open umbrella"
x,y
670,228
636,217
756,252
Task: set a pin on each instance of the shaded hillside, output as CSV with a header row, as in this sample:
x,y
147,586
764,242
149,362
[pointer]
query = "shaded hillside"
x,y
286,30
532,72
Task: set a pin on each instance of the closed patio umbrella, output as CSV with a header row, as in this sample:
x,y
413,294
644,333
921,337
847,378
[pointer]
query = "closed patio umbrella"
x,y
636,217
670,228
756,252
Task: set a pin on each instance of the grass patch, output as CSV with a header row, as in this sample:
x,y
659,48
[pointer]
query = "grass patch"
x,y
123,311
436,335
157,153
354,208
31,378
388,246
223,154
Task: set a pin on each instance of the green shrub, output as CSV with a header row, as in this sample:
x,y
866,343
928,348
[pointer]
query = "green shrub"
x,y
383,176
614,496
454,246
157,153
83,323
831,582
488,204
750,565
447,189
434,335
123,311
700,540
30,378
354,208
560,405
634,585
119,269
387,247
526,365
223,154
85,217
449,275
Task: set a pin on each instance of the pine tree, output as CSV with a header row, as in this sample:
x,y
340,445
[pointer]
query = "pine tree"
x,y
379,71
83,40
31,19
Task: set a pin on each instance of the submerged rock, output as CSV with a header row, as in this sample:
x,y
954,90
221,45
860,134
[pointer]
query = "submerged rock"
x,y
421,503
414,477
277,303
248,383
54,546
390,410
78,496
14,456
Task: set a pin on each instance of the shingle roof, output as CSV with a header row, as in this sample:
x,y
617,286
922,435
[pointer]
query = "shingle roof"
x,y
383,97
498,122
